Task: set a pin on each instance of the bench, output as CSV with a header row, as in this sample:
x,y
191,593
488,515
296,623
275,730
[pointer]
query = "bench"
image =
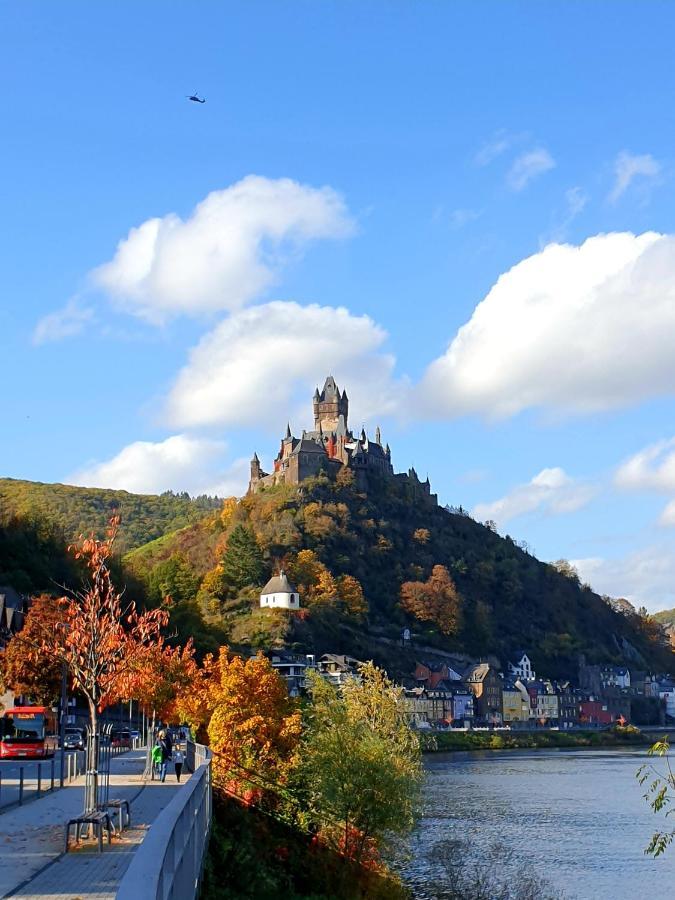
x,y
98,819
122,807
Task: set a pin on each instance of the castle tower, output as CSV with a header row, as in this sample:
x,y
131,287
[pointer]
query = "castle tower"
x,y
328,406
256,470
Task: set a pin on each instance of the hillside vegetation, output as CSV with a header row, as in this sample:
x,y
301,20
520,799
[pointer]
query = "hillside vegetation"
x,y
368,565
73,511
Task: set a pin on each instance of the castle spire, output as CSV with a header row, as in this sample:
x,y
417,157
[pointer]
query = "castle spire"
x,y
288,431
378,436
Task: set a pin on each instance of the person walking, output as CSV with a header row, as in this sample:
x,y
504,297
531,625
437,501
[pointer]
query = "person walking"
x,y
166,756
156,758
178,763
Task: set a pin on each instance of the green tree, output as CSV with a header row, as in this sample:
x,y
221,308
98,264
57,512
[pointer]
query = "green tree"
x,y
660,786
362,762
242,562
172,577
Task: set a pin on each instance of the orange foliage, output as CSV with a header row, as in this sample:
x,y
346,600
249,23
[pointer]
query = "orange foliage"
x,y
435,600
250,720
160,674
351,595
319,587
101,641
24,666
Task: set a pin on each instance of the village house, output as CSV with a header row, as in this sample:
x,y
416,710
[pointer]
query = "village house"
x,y
338,668
593,711
666,692
13,609
293,667
429,674
515,701
462,705
522,667
568,705
486,685
543,702
417,706
614,677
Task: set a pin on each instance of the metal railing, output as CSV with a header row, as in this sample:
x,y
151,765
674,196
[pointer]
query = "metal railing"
x,y
30,779
168,864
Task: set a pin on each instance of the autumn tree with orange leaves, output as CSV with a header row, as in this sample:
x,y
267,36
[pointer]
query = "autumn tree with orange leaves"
x,y
252,725
102,640
435,600
160,674
23,670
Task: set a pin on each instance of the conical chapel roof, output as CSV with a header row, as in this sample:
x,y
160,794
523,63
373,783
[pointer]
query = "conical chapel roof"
x,y
279,584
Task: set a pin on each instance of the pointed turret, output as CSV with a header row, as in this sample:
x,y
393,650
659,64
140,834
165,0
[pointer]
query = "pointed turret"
x,y
288,431
363,436
256,471
387,450
378,436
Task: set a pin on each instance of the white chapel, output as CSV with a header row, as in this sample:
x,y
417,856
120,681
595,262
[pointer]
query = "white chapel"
x,y
279,593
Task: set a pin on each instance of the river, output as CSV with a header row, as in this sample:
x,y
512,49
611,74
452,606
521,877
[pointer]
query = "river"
x,y
574,818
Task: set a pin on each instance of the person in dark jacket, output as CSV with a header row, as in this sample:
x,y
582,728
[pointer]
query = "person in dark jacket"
x,y
166,756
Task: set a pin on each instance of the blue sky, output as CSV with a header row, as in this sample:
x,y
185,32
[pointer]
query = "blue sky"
x,y
402,162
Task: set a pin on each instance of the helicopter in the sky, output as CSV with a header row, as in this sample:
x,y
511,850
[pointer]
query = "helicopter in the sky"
x,y
196,98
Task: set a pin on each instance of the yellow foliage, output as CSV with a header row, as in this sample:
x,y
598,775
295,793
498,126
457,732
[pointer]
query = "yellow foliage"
x,y
421,535
351,594
228,510
251,723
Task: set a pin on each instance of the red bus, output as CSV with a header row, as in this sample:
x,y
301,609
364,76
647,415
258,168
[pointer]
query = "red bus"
x,y
28,732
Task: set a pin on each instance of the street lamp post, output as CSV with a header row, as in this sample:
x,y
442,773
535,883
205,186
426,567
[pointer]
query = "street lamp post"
x,y
62,728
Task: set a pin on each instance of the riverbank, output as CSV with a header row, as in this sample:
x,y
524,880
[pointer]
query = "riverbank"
x,y
444,741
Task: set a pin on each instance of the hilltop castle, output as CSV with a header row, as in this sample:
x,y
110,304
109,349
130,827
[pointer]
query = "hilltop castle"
x,y
331,446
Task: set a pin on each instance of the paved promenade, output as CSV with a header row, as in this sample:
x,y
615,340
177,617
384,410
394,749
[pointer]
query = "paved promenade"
x,y
32,862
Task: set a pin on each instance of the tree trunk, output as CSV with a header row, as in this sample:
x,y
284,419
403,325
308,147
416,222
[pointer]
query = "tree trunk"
x,y
91,788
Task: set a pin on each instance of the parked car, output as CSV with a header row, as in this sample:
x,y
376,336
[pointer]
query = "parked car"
x,y
121,739
73,739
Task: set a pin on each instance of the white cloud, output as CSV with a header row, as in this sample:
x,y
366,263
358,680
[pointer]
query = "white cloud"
x,y
528,166
225,254
652,468
646,576
65,322
179,463
627,167
571,328
250,367
551,492
498,144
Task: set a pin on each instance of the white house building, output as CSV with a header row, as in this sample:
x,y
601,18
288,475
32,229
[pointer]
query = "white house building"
x,y
279,593
522,668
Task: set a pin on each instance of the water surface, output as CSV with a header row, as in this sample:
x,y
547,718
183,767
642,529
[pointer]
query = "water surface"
x,y
575,817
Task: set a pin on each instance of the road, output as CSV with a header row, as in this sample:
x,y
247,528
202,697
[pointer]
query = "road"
x,y
10,778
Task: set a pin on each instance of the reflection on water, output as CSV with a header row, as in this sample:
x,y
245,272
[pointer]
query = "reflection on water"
x,y
575,818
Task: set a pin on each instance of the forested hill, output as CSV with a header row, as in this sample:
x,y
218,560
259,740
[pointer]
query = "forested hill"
x,y
368,565
78,510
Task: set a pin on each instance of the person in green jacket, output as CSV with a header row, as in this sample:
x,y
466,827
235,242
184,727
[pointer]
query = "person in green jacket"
x,y
157,754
